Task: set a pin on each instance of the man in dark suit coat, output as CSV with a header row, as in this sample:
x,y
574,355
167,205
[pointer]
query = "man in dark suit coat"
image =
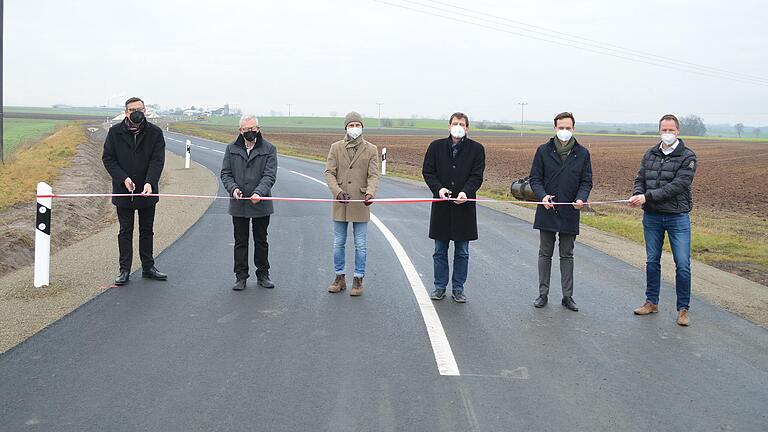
x,y
453,168
134,154
561,172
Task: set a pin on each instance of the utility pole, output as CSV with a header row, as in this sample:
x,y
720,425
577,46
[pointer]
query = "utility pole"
x,y
522,115
379,104
2,19
289,109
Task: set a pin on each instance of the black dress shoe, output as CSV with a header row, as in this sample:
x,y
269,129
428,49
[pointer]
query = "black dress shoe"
x,y
437,294
570,304
239,285
155,274
264,281
123,278
540,302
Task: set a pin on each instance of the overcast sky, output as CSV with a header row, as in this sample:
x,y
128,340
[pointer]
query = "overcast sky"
x,y
336,56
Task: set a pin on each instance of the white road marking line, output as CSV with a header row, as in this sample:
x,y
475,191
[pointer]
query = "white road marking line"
x,y
446,362
308,177
199,146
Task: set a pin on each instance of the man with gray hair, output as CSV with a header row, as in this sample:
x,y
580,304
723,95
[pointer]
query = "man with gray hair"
x,y
249,171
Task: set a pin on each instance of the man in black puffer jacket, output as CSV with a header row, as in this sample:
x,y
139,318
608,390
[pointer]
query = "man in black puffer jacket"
x,y
663,189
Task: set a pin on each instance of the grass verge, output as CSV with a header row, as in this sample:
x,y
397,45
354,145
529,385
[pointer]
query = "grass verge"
x,y
18,133
38,162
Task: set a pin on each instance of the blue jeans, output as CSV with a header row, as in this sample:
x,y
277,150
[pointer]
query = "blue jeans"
x,y
339,243
460,264
678,229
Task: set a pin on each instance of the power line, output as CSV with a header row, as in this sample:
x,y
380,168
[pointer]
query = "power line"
x,y
600,50
592,42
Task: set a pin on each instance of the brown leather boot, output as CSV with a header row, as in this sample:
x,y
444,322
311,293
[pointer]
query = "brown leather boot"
x,y
647,308
682,318
339,284
357,287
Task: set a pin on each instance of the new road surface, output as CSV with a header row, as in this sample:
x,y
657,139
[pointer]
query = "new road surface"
x,y
191,354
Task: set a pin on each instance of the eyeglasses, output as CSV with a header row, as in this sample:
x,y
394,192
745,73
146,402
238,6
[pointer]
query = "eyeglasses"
x,y
130,110
250,129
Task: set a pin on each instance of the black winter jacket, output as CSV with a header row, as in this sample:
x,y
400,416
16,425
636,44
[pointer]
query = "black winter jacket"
x,y
666,180
568,181
463,173
140,157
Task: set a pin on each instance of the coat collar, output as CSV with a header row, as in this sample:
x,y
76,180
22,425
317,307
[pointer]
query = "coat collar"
x,y
677,152
259,149
552,150
360,148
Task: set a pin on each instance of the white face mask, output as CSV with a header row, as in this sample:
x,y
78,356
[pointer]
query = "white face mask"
x,y
564,135
354,132
668,139
458,131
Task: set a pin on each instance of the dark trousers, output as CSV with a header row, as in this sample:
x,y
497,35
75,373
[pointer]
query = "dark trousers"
x,y
546,249
126,217
260,245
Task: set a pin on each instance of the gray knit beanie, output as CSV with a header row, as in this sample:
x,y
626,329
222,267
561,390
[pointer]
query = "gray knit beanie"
x,y
352,117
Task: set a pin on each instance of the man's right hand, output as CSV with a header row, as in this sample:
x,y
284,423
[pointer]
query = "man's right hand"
x,y
129,184
236,194
343,197
547,202
444,193
637,200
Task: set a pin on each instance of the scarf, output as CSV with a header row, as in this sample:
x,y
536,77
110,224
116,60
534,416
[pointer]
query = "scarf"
x,y
563,150
135,129
351,145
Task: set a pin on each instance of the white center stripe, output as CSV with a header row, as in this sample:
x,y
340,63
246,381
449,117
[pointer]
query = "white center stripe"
x,y
446,363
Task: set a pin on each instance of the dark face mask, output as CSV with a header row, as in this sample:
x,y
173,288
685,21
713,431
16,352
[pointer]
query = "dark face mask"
x,y
251,135
136,117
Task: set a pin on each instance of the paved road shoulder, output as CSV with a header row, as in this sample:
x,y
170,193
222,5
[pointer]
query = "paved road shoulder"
x,y
83,270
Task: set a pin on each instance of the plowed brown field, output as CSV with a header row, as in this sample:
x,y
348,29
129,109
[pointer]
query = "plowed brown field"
x,y
731,177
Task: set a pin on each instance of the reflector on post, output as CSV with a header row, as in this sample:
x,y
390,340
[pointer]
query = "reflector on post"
x,y
384,161
43,235
189,149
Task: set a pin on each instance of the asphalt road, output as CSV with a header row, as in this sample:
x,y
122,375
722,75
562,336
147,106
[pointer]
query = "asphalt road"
x,y
190,354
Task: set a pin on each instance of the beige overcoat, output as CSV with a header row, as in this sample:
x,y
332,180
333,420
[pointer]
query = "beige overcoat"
x,y
357,177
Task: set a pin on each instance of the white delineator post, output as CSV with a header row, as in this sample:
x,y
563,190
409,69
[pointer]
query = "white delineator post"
x,y
384,161
43,236
189,149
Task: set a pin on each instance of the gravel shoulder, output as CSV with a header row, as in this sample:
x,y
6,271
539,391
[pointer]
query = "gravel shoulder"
x,y
83,270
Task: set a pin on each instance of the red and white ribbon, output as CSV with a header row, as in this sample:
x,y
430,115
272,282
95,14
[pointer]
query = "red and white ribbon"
x,y
296,199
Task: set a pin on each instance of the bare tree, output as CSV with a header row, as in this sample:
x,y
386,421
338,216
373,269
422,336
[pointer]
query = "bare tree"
x,y
739,128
